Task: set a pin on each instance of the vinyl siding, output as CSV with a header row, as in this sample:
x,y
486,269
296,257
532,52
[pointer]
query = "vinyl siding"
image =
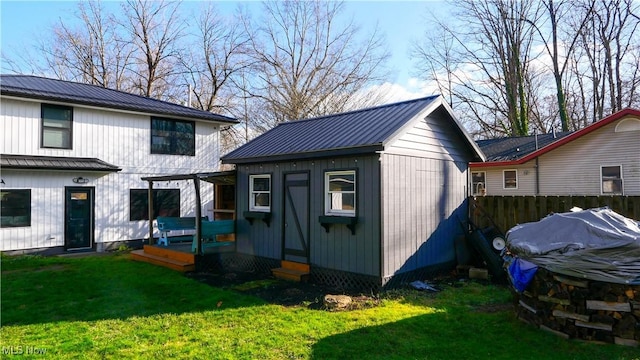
x,y
574,168
338,249
119,138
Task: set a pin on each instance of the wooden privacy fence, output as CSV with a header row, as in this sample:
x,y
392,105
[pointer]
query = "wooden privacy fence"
x,y
508,211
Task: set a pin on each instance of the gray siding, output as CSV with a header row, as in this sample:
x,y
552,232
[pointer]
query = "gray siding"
x,y
526,179
338,249
424,183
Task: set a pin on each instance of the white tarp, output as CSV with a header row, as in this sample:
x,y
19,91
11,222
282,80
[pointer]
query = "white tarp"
x,y
597,244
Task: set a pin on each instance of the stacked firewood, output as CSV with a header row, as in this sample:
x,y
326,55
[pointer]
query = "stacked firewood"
x,y
582,309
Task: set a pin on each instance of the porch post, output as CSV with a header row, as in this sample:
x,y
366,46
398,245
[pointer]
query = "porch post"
x,y
198,239
150,212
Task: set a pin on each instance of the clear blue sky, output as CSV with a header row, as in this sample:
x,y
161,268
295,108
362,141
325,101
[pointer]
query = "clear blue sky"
x,y
24,22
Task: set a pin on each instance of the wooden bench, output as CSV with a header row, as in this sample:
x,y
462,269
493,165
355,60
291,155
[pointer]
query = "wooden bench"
x,y
168,224
210,231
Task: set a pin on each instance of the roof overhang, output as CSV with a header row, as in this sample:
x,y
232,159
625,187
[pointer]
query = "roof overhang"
x,y
567,139
219,177
30,162
369,149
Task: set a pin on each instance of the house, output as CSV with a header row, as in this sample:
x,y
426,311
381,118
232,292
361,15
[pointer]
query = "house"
x,y
360,198
600,159
72,157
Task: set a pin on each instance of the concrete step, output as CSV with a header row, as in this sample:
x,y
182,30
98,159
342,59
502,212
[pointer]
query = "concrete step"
x,y
182,266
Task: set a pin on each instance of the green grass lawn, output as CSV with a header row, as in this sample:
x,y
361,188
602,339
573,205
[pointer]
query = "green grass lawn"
x,y
111,307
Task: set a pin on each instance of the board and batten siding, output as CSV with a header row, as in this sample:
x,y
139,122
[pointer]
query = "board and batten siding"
x,y
424,191
338,249
119,138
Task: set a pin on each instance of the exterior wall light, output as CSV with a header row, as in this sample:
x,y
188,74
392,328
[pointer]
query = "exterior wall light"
x,y
80,180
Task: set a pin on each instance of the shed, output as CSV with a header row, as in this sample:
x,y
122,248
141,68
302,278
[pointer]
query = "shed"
x,y
363,198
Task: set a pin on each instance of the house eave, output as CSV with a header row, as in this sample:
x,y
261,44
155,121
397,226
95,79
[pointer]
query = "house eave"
x,y
351,151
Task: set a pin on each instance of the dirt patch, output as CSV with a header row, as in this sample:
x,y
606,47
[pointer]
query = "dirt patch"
x,y
285,293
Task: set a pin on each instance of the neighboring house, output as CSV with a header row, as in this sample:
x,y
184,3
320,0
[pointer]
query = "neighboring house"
x,y
361,197
601,159
72,159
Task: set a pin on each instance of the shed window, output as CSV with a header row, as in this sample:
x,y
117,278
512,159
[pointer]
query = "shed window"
x,y
15,208
56,126
166,202
611,177
510,179
478,183
260,192
340,190
173,137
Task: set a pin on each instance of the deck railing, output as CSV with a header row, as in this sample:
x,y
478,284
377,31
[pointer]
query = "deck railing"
x,y
504,212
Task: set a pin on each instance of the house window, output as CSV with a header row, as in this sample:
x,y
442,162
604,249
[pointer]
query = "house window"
x,y
340,190
510,179
478,183
611,178
260,192
15,208
56,126
173,137
166,202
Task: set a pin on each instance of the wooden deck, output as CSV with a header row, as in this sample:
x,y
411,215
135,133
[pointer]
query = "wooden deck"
x,y
176,256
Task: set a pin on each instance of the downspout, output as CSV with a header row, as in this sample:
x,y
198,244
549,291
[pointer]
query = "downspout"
x,y
537,177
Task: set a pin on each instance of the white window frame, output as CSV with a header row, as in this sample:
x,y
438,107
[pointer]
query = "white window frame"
x,y
329,194
252,192
484,184
504,180
602,181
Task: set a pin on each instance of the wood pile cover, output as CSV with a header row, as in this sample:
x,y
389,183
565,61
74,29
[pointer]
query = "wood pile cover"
x,y
582,309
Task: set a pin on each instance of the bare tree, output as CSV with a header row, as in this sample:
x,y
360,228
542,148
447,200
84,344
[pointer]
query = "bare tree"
x,y
92,52
155,28
305,63
217,55
487,64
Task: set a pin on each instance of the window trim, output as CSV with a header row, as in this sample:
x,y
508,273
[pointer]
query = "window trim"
x,y
504,180
43,127
327,202
621,178
145,216
30,210
252,205
473,188
173,140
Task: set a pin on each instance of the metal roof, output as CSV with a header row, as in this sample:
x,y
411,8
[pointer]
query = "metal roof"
x,y
27,86
54,163
513,148
349,133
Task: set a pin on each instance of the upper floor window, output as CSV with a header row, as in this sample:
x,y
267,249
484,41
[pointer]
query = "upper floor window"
x,y
15,208
510,178
260,192
478,183
173,137
611,178
57,123
166,202
340,193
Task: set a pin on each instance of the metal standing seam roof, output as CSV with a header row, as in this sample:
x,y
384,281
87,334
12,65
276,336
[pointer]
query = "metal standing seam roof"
x,y
35,87
54,163
354,132
513,148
